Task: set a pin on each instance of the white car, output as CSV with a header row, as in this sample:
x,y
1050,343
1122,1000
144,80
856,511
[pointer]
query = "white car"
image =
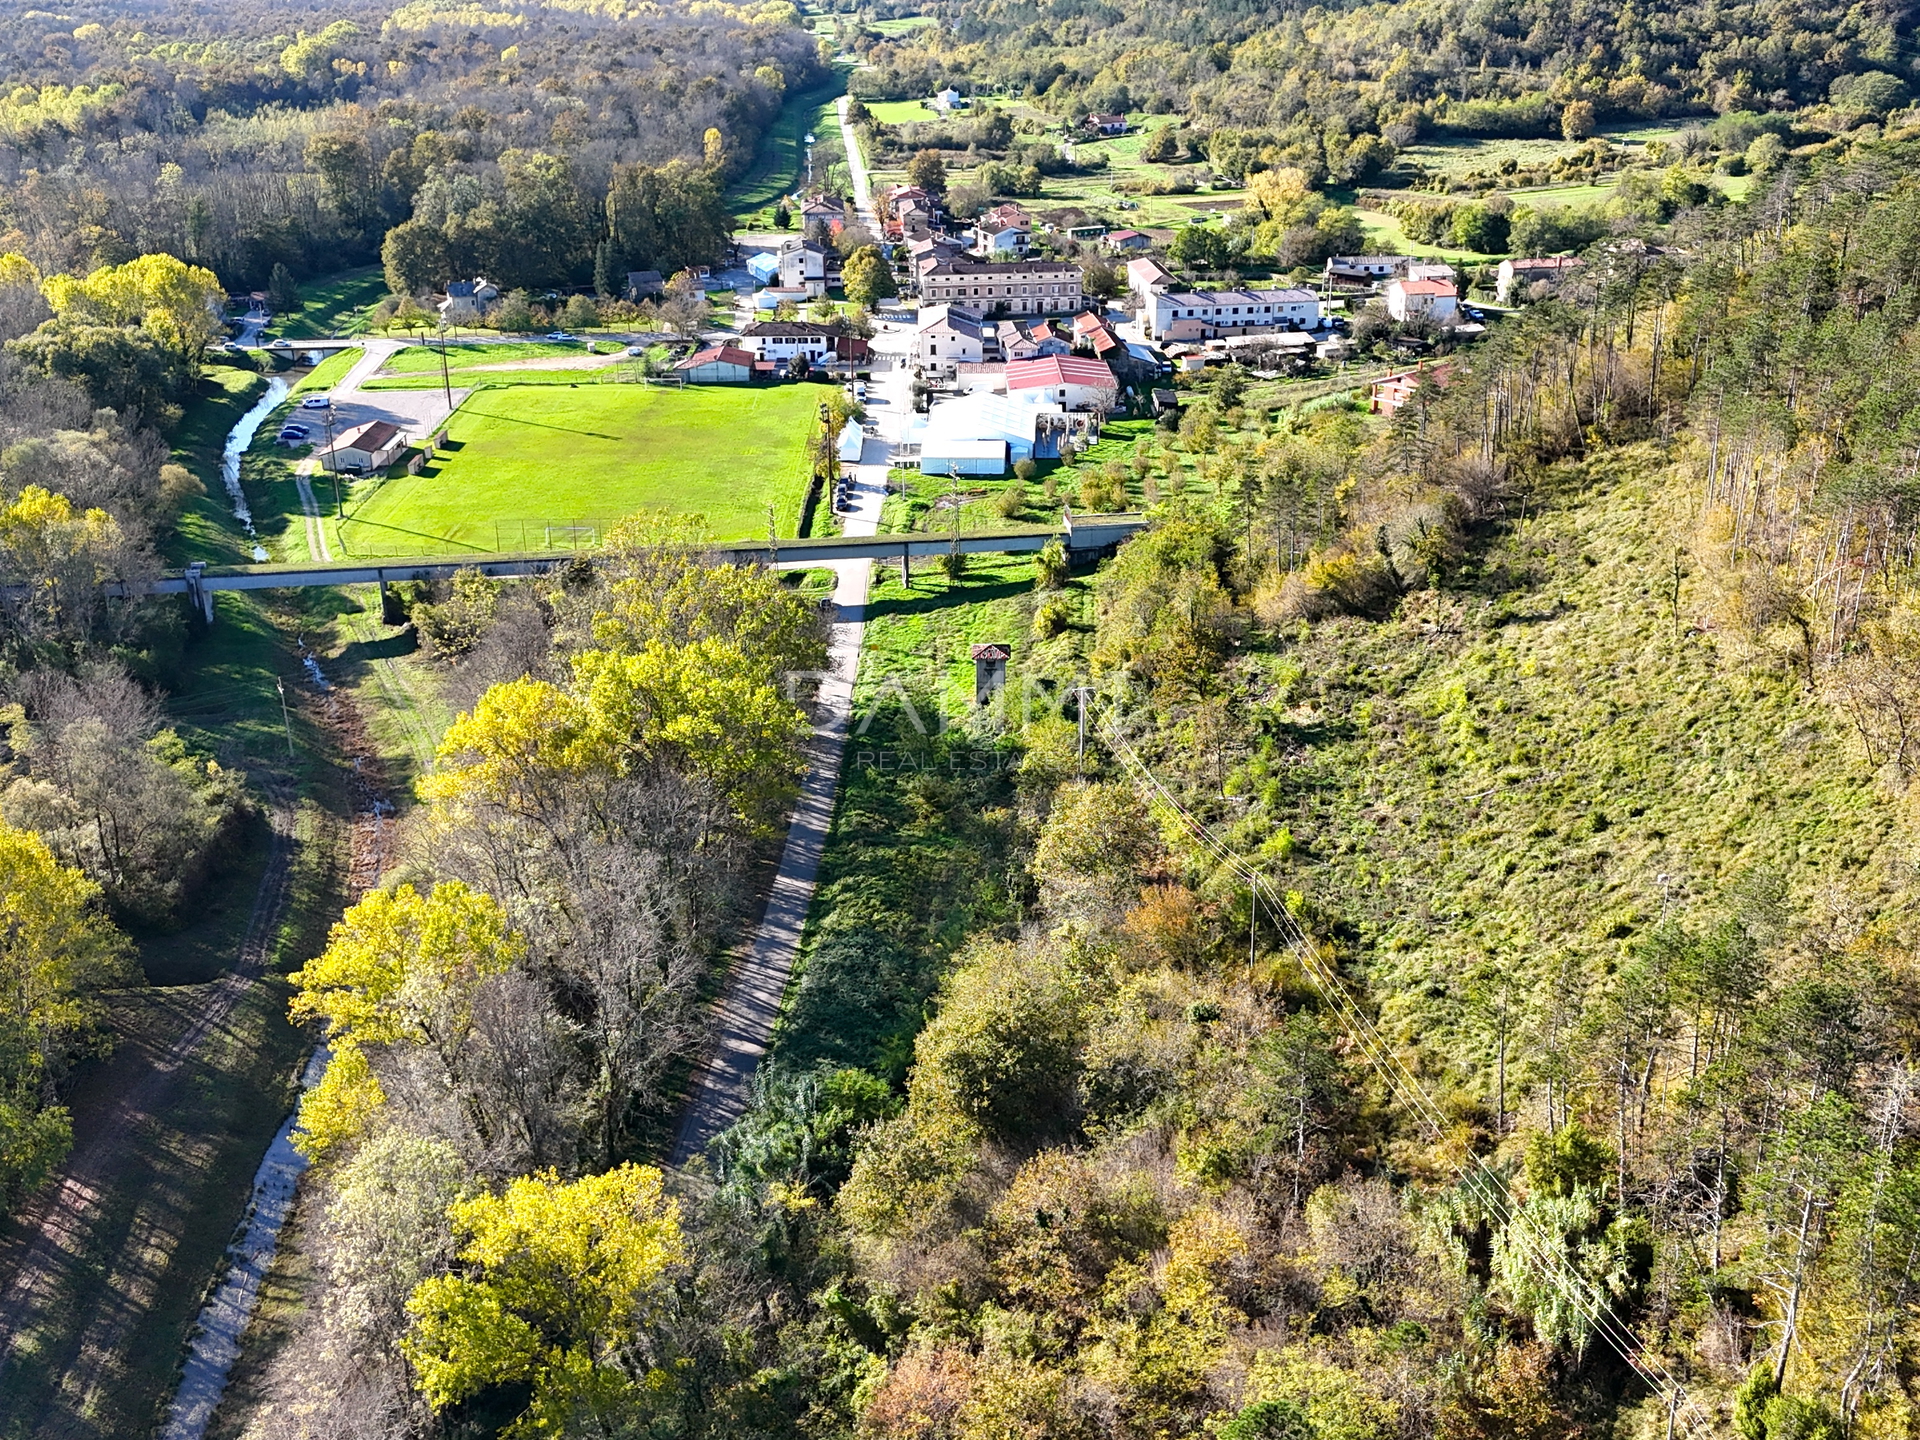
x,y
315,402
635,351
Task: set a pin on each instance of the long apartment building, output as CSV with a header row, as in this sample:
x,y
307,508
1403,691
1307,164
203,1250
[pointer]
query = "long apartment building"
x,y
1204,314
1015,287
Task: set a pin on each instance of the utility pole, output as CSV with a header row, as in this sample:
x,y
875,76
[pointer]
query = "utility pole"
x,y
332,461
1081,692
446,384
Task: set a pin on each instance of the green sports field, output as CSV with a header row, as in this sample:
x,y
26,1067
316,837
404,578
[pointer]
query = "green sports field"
x,y
522,459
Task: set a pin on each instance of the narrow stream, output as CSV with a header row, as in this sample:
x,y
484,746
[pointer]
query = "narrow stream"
x,y
238,439
216,1339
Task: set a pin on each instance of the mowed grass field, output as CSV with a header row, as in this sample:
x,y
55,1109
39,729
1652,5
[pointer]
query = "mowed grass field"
x,y
523,458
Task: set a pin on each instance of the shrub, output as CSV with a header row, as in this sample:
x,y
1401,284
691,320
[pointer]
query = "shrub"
x,y
1053,616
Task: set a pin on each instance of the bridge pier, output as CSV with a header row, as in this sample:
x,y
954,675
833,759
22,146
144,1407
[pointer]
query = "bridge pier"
x,y
197,592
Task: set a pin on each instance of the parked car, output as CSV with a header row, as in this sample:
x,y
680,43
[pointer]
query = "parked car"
x,y
316,402
558,335
635,351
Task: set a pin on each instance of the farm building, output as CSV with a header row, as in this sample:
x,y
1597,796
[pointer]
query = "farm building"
x,y
372,446
1519,274
718,365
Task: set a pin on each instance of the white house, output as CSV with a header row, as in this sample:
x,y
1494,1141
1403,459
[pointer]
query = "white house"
x,y
807,266
1001,240
1069,381
1205,314
1107,124
1416,299
1030,339
1145,278
949,337
781,340
1017,287
948,100
1431,270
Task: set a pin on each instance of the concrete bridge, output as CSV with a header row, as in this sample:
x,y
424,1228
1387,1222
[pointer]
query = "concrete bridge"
x,y
1084,537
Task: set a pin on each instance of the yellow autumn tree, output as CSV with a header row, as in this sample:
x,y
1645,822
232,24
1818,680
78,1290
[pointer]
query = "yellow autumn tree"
x,y
707,710
57,559
558,1278
180,305
399,968
56,949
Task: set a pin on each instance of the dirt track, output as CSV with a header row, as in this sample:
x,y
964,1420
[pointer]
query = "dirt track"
x,y
56,1222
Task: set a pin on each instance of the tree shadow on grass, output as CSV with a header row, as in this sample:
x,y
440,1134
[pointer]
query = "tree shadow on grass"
x,y
543,425
947,599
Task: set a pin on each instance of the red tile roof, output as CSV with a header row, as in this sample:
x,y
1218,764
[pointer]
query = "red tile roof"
x,y
717,355
1052,370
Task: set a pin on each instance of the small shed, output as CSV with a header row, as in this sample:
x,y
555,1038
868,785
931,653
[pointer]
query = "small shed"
x,y
989,671
963,457
717,365
372,446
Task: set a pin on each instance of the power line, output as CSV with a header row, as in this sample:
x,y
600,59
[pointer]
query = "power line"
x,y
1480,1180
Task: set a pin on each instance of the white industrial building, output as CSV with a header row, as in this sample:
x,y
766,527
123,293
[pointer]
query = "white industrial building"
x,y
961,432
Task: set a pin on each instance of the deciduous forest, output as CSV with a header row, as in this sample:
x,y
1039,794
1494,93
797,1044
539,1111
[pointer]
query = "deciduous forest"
x,y
1424,945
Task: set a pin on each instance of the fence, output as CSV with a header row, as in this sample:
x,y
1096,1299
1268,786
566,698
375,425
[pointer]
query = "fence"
x,y
361,540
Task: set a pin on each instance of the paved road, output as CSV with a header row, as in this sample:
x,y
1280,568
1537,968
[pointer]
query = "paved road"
x,y
743,1020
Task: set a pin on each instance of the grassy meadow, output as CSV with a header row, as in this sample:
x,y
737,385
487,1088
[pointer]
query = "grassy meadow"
x,y
525,457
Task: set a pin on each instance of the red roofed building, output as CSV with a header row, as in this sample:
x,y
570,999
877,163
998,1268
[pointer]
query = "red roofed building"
x,y
1069,380
717,365
1434,300
1390,392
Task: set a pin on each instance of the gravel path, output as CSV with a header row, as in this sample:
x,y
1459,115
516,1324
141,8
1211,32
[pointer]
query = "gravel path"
x,y
744,1017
